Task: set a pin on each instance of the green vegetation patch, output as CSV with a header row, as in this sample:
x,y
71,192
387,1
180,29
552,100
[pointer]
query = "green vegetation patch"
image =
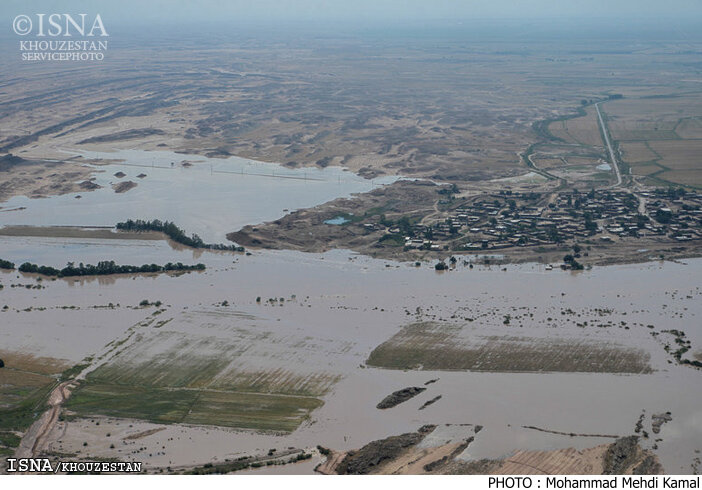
x,y
204,368
6,264
9,439
76,369
431,346
278,413
23,398
25,384
105,267
156,405
252,410
174,233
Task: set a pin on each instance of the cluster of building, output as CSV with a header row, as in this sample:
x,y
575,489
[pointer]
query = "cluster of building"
x,y
679,215
506,219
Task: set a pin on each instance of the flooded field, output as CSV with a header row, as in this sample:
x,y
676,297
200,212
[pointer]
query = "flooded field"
x,y
186,369
247,330
430,346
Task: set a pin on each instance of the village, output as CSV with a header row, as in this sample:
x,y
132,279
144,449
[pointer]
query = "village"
x,y
513,219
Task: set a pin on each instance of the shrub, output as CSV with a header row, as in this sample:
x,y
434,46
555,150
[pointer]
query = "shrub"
x,y
6,264
441,266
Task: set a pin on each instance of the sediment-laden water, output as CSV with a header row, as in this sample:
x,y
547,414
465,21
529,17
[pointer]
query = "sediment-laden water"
x,y
208,196
336,308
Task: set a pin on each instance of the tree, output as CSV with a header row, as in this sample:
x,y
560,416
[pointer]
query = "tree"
x,y
664,216
174,233
590,225
674,193
105,267
452,189
553,234
405,225
6,264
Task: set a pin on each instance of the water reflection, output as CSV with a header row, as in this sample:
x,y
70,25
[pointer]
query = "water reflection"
x,y
211,198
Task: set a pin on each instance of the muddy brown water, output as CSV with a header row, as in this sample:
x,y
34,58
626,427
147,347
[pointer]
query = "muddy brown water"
x,y
339,307
347,305
212,197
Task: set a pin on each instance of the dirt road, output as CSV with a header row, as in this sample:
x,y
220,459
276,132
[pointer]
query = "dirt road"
x,y
36,438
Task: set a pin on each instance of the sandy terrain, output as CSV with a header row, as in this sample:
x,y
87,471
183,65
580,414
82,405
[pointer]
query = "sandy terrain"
x,y
37,178
623,456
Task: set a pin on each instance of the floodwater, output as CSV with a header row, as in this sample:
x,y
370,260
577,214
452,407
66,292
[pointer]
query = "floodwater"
x,y
338,307
349,304
211,197
339,220
56,252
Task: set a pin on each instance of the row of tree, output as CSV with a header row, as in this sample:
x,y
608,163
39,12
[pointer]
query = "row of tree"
x,y
174,233
105,267
6,264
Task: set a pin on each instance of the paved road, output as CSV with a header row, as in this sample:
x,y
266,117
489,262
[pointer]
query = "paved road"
x,y
613,159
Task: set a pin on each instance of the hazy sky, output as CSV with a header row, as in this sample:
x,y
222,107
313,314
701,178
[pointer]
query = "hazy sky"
x,y
169,11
